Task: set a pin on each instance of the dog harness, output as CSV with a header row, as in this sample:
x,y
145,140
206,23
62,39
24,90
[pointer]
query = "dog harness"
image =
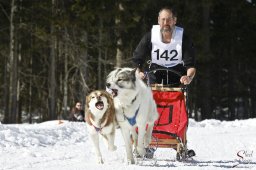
x,y
132,121
97,129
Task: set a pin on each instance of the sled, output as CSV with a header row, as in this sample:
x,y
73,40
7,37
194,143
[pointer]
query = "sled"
x,y
170,128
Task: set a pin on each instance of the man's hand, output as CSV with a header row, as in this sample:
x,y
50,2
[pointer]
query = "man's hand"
x,y
186,80
189,77
140,74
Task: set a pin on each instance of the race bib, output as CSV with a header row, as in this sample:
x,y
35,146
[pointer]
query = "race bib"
x,y
166,54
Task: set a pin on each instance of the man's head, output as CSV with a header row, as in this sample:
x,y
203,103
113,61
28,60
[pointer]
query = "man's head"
x,y
167,19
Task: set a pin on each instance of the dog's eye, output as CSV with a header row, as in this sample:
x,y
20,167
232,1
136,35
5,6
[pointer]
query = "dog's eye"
x,y
122,79
93,97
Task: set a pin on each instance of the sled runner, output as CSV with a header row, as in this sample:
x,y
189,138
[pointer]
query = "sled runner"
x,y
170,129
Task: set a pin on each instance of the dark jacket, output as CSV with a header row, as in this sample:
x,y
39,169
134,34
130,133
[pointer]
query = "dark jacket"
x,y
76,115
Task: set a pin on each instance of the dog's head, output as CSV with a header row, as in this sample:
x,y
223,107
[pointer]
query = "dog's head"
x,y
98,101
121,78
99,104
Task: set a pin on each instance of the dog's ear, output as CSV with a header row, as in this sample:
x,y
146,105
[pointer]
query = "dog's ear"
x,y
133,74
134,70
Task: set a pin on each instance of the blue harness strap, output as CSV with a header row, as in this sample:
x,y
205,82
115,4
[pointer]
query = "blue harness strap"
x,y
132,120
97,129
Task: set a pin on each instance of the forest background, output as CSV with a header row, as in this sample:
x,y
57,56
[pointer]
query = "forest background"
x,y
54,52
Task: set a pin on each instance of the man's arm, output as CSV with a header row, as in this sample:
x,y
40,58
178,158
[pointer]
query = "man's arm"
x,y
142,51
188,52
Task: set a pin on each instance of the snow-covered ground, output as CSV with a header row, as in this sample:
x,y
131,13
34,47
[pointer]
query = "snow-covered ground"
x,y
53,146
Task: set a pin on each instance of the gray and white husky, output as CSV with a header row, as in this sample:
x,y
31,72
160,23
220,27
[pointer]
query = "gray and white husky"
x,y
135,107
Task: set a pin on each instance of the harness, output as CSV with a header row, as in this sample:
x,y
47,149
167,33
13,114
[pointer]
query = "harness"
x,y
97,129
132,120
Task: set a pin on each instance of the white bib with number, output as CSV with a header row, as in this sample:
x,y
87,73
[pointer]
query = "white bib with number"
x,y
166,54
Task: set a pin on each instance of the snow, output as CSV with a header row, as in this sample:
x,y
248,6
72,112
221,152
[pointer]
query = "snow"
x,y
66,146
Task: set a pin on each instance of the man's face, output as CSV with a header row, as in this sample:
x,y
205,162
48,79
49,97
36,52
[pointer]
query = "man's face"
x,y
166,21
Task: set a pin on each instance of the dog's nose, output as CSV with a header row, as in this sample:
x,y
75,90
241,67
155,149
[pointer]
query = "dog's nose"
x,y
108,85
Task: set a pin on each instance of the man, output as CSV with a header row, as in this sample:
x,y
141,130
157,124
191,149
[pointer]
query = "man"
x,y
168,47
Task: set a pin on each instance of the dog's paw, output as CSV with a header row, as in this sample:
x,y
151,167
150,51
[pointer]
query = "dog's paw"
x,y
130,161
141,151
149,153
136,153
100,160
112,148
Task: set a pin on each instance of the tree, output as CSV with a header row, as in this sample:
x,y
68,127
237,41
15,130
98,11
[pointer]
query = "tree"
x,y
12,69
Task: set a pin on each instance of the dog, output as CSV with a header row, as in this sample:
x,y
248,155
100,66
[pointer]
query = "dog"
x,y
100,120
135,108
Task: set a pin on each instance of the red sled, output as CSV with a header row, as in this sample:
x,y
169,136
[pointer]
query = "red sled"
x,y
170,129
